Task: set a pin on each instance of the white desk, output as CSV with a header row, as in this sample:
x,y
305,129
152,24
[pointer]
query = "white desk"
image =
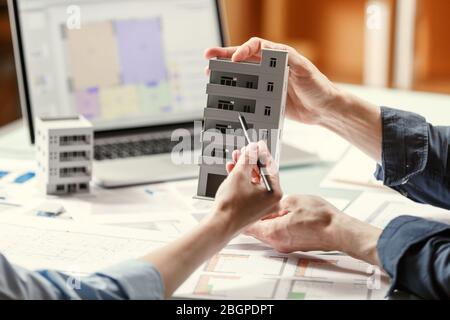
x,y
14,141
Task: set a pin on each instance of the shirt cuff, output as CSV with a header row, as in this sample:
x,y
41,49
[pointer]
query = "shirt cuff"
x,y
138,279
404,148
399,236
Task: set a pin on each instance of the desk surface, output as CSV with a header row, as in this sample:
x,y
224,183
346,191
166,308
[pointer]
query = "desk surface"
x,y
14,142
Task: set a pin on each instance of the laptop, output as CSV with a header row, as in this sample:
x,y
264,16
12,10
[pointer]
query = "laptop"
x,y
134,68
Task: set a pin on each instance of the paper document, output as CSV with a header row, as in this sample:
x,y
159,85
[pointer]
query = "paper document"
x,y
316,140
354,171
173,224
379,209
18,182
37,243
268,275
166,207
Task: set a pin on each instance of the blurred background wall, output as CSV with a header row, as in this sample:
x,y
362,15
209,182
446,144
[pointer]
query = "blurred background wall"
x,y
9,101
392,43
342,37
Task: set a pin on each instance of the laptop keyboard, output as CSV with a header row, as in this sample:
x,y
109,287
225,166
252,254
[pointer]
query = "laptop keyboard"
x,y
130,149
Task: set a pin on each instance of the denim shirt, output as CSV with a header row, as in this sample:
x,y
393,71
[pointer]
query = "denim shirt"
x,y
135,280
415,162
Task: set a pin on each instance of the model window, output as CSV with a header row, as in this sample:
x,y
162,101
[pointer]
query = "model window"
x,y
267,111
222,128
228,81
83,186
273,62
249,85
264,134
270,86
247,109
226,105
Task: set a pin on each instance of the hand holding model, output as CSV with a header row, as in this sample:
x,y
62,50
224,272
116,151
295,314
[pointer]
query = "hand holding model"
x,y
413,158
313,99
240,201
305,223
310,93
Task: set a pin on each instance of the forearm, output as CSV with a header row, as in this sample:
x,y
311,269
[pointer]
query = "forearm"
x,y
177,261
357,121
355,238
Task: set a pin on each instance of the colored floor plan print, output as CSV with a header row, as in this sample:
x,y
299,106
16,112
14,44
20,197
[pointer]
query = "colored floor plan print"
x,y
118,69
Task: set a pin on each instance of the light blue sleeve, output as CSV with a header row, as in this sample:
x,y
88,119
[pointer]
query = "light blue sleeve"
x,y
134,279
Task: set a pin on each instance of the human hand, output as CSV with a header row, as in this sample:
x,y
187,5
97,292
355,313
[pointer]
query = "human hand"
x,y
242,199
307,223
310,94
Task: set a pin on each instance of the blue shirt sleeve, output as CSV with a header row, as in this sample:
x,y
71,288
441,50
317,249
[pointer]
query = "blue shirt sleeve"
x,y
415,158
136,280
416,254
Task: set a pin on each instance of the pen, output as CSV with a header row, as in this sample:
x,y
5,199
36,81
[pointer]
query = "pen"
x,y
244,126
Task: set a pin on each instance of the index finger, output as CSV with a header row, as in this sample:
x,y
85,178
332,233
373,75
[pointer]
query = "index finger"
x,y
253,47
248,49
220,52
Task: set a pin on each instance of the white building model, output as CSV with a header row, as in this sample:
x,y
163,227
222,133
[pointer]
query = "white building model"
x,y
64,149
256,90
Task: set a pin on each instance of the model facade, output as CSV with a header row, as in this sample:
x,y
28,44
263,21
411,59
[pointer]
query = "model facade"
x,y
257,91
64,149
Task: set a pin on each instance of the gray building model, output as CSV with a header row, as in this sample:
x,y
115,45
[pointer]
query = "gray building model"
x,y
256,90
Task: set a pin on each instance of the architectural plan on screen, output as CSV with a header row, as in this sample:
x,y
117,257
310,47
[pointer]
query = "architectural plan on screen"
x,y
125,65
132,61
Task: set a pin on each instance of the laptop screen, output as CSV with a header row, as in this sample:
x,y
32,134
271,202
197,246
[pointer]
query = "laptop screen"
x,y
120,63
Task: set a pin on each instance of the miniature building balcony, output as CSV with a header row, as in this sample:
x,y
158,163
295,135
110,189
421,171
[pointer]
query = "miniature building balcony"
x,y
74,156
242,93
231,104
239,80
77,140
74,172
236,92
233,116
57,165
225,65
